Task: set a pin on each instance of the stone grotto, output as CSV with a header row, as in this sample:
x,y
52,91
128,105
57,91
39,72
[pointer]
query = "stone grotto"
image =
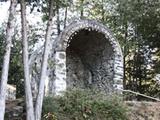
x,y
87,55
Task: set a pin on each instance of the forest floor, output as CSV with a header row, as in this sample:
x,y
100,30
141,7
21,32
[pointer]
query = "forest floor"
x,y
142,110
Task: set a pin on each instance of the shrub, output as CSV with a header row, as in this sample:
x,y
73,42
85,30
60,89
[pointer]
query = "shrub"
x,y
84,105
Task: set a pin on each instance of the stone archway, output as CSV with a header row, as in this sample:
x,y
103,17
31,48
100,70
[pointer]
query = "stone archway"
x,y
88,56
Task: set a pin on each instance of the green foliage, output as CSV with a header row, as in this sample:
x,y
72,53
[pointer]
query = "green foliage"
x,y
136,25
57,5
15,76
84,105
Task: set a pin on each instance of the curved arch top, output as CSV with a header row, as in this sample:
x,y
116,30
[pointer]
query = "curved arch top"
x,y
78,25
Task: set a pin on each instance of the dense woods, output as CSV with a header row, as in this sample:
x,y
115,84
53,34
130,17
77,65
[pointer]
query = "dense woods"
x,y
135,24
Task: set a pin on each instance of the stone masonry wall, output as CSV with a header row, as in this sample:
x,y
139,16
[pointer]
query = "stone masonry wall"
x,y
93,57
11,92
85,55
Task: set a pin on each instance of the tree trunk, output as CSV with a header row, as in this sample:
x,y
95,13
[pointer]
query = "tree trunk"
x,y
6,59
58,20
28,93
39,101
125,54
65,18
103,12
81,10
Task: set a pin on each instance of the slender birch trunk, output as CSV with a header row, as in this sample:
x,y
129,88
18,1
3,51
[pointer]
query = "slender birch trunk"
x,y
125,53
58,20
28,93
39,101
82,10
65,18
6,59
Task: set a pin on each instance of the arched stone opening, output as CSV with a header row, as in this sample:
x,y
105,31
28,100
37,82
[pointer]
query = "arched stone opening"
x,y
88,55
89,61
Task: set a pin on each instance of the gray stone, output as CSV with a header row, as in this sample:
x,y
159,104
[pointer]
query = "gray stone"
x,y
11,92
86,55
93,56
62,56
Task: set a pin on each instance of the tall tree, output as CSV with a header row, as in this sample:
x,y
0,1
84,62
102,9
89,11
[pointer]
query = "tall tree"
x,y
28,93
81,9
142,18
6,59
39,101
58,17
65,17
